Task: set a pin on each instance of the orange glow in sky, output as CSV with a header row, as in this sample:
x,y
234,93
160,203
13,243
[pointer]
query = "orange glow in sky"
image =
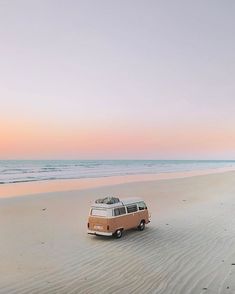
x,y
30,140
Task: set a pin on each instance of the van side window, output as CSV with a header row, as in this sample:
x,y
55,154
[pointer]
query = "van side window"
x,y
131,208
142,205
116,211
119,211
122,210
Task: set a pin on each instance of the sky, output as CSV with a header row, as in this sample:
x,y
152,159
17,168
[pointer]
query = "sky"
x,y
124,79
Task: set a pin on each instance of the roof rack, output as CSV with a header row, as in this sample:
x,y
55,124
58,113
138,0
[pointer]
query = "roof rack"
x,y
108,200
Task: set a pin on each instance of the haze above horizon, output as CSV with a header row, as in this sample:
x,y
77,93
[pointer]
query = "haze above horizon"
x,y
117,79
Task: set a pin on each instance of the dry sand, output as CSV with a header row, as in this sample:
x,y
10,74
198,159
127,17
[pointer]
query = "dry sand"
x,y
189,246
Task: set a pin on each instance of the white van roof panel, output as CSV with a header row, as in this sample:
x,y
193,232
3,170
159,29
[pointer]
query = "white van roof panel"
x,y
104,205
131,200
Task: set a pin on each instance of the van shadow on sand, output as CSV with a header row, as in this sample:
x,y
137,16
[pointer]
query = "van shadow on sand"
x,y
133,235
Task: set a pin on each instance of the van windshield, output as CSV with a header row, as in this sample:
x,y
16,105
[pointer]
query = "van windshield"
x,y
99,212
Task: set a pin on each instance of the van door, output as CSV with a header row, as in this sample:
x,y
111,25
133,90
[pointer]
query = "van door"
x,y
132,219
143,212
120,218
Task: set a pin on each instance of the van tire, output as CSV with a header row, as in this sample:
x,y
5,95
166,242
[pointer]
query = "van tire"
x,y
118,233
141,226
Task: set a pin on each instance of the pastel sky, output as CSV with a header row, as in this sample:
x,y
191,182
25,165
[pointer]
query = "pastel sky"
x,y
117,79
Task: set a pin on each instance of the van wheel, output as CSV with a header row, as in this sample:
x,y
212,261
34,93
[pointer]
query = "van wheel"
x,y
118,233
141,226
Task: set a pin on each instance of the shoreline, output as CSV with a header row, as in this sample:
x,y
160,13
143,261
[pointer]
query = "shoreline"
x,y
38,187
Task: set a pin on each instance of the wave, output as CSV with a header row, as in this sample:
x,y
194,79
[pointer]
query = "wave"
x,y
28,171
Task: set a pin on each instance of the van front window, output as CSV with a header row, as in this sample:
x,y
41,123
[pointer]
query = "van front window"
x,y
142,206
99,212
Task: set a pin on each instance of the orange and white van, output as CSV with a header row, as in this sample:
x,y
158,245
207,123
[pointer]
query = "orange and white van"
x,y
111,218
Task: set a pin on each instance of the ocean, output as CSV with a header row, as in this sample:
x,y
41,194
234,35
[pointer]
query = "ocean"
x,y
16,171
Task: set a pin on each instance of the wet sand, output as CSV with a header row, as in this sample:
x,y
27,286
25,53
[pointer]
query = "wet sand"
x,y
35,187
189,246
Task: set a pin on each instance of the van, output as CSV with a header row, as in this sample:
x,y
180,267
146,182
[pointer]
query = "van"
x,y
111,216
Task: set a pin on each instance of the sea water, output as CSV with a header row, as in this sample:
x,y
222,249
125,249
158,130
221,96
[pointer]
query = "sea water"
x,y
14,171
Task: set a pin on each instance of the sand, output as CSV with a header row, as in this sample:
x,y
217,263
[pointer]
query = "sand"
x,y
189,246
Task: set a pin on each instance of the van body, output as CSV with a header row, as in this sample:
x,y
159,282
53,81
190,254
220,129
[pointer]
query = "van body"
x,y
113,219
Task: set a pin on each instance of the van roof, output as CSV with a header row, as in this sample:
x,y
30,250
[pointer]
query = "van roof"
x,y
124,201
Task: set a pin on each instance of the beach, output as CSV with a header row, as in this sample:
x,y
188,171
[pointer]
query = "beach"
x,y
117,99
188,247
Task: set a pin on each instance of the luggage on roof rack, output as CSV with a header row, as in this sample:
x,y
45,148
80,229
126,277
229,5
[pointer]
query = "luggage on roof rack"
x,y
108,200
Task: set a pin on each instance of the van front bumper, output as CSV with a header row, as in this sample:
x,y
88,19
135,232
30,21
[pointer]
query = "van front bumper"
x,y
98,233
